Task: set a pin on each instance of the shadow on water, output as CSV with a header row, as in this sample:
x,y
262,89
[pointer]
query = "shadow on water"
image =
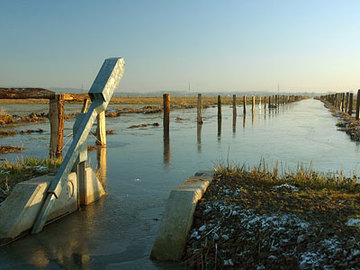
x,y
244,120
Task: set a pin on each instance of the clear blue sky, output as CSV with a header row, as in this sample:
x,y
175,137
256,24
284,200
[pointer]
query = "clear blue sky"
x,y
214,45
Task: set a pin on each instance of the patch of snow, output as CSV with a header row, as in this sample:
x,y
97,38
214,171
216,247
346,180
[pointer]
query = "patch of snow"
x,y
3,172
287,186
194,234
353,222
202,228
228,262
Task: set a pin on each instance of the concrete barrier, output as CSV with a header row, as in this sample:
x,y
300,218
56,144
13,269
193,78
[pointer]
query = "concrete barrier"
x,y
176,223
19,211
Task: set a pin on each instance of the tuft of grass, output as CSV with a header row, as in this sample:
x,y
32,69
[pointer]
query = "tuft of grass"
x,y
302,177
12,173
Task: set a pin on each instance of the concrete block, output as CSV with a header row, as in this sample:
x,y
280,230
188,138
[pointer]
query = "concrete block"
x,y
176,223
92,189
18,212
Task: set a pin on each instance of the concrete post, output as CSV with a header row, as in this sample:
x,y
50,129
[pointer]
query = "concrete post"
x,y
101,129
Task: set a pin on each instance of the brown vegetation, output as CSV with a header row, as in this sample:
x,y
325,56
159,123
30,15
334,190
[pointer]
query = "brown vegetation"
x,y
6,149
254,219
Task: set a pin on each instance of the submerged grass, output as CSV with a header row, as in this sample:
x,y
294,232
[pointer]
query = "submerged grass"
x,y
12,173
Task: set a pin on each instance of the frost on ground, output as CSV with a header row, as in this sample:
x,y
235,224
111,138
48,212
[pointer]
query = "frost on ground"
x,y
247,228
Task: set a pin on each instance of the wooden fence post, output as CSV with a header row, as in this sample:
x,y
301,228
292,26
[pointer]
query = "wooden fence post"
x,y
219,107
342,102
54,126
234,106
199,118
60,135
166,104
357,105
347,102
269,102
351,97
244,103
253,104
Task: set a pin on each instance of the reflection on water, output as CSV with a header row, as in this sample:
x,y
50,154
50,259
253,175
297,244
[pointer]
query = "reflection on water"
x,y
198,135
102,163
219,129
118,231
253,118
234,124
166,148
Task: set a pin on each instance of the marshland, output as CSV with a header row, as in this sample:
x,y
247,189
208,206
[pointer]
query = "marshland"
x,y
141,168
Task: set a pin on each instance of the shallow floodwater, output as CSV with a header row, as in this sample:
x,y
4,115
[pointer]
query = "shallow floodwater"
x,y
118,231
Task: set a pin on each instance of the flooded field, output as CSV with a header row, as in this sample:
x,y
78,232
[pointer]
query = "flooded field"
x,y
142,168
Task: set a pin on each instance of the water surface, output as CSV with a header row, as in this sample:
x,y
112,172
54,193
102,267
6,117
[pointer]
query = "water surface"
x,y
118,231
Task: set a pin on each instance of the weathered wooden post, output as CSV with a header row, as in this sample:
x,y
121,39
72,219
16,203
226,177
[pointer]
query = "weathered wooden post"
x,y
264,103
199,118
244,104
347,102
54,126
219,107
351,97
253,104
166,120
269,103
100,93
357,105
234,105
60,135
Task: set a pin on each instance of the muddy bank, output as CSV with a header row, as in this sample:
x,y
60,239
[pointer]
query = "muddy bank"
x,y
256,221
347,122
6,149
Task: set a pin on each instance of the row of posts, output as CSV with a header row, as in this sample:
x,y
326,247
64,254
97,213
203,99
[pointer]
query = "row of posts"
x,y
271,102
344,102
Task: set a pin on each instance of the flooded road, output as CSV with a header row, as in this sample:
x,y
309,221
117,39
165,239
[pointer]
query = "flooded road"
x,y
118,231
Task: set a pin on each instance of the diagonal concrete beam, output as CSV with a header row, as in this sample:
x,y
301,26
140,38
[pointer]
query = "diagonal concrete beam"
x,y
100,93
